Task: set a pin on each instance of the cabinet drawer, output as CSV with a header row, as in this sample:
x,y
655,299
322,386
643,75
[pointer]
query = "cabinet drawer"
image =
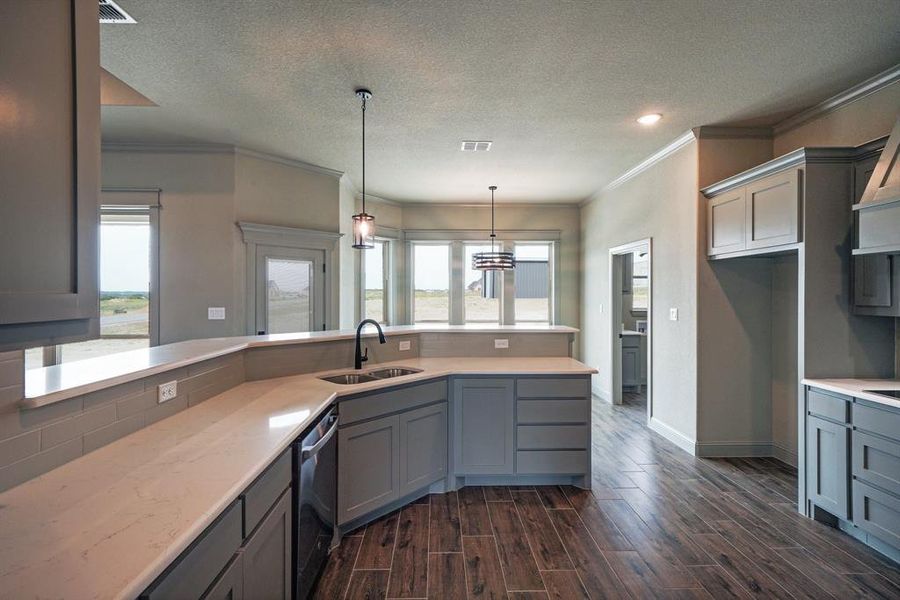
x,y
265,491
827,406
193,572
552,411
876,461
553,388
877,420
877,512
391,401
549,437
551,462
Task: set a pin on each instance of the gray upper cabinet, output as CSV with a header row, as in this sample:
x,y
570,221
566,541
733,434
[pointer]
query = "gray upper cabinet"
x,y
876,277
368,467
759,216
484,426
51,182
726,217
423,447
773,211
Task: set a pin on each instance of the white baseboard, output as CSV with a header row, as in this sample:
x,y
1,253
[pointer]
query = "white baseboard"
x,y
673,435
724,449
602,394
784,454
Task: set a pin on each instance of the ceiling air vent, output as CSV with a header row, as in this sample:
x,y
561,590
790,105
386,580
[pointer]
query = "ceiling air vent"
x,y
475,146
110,12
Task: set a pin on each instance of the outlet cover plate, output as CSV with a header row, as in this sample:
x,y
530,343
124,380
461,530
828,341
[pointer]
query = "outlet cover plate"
x,y
215,313
405,345
501,343
167,391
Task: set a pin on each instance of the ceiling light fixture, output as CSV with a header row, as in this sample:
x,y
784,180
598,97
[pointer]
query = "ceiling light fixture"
x,y
495,260
363,223
650,119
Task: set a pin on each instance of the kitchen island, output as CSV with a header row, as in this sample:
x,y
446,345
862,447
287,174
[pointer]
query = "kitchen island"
x,y
108,524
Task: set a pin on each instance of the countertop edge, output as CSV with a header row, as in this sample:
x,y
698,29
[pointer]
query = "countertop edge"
x,y
239,344
857,388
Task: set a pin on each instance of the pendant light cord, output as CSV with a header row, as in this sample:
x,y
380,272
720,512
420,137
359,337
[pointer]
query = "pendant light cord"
x,y
493,235
364,154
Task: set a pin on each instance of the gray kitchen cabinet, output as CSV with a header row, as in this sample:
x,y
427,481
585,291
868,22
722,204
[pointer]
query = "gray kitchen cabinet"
x,y
877,512
266,555
827,464
631,361
51,182
423,447
726,217
368,467
773,210
230,583
484,427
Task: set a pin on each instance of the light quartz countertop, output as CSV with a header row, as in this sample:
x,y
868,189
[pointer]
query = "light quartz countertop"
x,y
107,524
632,332
53,384
859,388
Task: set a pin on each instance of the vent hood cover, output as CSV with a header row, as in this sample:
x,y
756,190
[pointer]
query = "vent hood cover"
x,y
878,211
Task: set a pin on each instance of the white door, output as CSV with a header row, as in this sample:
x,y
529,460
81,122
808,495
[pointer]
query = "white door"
x,y
290,290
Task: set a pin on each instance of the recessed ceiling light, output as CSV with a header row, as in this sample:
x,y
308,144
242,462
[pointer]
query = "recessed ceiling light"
x,y
650,119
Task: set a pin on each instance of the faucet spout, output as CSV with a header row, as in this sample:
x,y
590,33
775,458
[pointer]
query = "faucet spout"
x,y
359,357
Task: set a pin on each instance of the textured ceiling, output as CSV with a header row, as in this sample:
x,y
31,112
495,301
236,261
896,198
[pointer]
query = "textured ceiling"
x,y
556,85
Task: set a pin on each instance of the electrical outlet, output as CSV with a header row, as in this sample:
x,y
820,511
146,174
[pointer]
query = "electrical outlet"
x,y
215,313
405,345
673,314
501,343
167,391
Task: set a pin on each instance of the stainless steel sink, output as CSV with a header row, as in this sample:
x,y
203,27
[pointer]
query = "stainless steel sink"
x,y
349,378
393,372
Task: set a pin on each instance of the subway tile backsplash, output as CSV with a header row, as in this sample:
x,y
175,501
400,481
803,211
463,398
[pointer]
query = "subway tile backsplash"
x,y
34,441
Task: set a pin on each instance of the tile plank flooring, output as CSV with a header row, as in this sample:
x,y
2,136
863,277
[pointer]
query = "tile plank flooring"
x,y
658,523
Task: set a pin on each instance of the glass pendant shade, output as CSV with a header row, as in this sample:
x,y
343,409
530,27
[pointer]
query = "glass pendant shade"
x,y
495,260
363,231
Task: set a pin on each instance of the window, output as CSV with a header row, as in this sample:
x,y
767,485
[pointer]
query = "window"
x,y
288,298
481,290
125,272
640,290
374,282
533,282
431,283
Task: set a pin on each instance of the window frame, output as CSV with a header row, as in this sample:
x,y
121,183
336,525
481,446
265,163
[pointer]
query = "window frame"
x,y
499,321
387,278
551,283
412,280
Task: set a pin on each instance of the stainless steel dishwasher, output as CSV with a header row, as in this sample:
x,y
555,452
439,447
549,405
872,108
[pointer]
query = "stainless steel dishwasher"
x,y
315,501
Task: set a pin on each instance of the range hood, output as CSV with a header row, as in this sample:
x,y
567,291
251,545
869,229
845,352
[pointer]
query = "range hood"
x,y
878,210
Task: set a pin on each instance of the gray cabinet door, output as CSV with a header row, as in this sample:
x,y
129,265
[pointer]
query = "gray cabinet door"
x,y
51,181
877,512
827,469
773,210
368,467
230,583
484,428
266,556
423,447
726,223
631,365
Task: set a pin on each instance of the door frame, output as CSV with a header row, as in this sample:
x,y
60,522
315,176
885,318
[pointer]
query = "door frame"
x,y
614,319
256,235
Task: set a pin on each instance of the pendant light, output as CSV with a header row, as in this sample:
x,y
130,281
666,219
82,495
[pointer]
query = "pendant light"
x,y
363,223
495,260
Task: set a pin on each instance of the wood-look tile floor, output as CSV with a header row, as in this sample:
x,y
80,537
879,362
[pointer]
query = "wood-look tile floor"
x,y
658,523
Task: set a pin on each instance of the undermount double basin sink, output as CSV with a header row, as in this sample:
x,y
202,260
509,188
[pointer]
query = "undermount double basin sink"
x,y
375,375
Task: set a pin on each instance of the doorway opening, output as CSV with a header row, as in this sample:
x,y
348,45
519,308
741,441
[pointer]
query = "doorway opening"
x,y
631,326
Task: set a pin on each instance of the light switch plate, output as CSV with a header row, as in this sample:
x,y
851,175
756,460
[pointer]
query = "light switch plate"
x,y
215,313
405,345
673,314
167,391
501,343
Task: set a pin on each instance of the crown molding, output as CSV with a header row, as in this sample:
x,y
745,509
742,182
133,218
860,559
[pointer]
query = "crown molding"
x,y
661,154
370,198
848,96
150,148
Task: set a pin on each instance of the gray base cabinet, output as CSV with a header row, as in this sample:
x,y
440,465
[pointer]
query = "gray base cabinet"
x,y
853,464
484,422
423,447
227,563
368,467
